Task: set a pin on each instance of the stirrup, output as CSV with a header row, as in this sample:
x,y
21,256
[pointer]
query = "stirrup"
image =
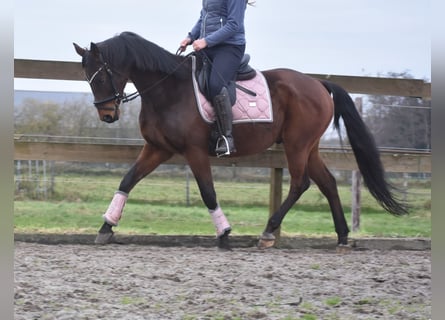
x,y
222,140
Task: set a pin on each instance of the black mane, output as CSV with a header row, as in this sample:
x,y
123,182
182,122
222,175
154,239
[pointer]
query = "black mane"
x,y
130,48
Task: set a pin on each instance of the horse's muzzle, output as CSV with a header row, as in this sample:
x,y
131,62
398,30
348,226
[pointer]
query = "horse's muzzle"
x,y
108,118
108,114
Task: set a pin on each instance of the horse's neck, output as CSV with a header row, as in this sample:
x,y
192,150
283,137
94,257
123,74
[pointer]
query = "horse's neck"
x,y
145,81
163,84
160,93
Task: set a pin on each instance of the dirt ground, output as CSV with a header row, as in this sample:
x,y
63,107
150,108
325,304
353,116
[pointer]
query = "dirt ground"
x,y
150,282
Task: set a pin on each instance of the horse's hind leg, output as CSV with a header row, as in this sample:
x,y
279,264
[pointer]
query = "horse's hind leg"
x,y
299,183
328,186
149,159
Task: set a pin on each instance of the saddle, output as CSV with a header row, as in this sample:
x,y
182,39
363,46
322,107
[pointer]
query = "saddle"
x,y
245,72
253,103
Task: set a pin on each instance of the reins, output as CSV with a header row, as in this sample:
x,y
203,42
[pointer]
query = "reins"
x,y
136,94
129,97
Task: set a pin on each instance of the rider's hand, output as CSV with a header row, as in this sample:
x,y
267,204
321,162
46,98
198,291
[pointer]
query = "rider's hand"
x,y
199,44
184,43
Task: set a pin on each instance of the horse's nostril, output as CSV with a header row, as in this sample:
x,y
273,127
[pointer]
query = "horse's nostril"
x,y
107,118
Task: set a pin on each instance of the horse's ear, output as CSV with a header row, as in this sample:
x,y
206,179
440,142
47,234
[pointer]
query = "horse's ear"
x,y
80,51
94,49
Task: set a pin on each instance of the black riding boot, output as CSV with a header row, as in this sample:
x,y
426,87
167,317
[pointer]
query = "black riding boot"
x,y
223,109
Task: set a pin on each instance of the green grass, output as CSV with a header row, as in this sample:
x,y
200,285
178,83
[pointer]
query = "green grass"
x,y
333,301
158,206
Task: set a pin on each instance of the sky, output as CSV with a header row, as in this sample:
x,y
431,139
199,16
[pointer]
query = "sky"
x,y
341,37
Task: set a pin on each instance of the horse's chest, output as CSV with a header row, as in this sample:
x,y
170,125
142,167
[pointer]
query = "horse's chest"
x,y
161,130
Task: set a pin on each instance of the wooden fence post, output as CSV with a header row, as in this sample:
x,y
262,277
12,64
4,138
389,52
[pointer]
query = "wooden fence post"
x,y
275,195
187,185
356,185
356,200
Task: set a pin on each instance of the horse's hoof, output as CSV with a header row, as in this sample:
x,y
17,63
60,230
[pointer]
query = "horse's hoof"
x,y
104,238
265,243
267,240
343,249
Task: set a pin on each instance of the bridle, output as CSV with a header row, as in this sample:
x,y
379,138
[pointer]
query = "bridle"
x,y
117,97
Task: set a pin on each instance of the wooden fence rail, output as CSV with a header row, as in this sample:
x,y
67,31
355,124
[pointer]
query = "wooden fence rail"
x,y
63,70
335,158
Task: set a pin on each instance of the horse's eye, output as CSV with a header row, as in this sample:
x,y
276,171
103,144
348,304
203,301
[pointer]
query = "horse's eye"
x,y
100,80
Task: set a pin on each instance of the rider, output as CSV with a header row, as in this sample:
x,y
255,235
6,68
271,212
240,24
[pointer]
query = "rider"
x,y
220,33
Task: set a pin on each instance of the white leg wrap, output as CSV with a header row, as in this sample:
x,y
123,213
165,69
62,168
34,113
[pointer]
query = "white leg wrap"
x,y
220,221
114,211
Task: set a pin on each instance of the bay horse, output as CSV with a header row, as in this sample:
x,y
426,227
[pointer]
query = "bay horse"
x,y
170,123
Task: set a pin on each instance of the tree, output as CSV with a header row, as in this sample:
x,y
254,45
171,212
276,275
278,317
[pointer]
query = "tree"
x,y
77,118
401,122
35,117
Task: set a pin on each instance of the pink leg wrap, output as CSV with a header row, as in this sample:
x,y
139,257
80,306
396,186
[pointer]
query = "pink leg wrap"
x,y
220,221
114,211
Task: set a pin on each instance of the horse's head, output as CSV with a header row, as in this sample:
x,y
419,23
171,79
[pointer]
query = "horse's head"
x,y
106,84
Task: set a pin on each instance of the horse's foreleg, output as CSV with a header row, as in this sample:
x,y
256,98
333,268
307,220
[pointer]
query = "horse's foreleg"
x,y
299,183
200,165
149,159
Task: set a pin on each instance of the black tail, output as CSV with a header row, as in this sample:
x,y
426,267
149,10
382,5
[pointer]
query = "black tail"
x,y
365,150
